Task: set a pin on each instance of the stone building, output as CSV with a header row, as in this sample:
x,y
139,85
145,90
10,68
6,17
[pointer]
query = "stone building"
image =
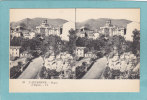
x,y
111,30
46,29
66,27
15,51
16,32
130,28
80,51
19,28
29,35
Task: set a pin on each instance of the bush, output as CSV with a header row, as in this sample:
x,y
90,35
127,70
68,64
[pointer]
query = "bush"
x,y
47,73
52,73
43,73
14,71
80,72
106,73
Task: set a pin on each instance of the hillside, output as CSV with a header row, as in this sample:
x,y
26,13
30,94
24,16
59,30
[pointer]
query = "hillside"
x,y
32,23
90,23
97,23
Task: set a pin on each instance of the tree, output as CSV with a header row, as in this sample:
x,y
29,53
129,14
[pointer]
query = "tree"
x,y
81,41
16,41
71,45
53,41
43,73
136,42
128,46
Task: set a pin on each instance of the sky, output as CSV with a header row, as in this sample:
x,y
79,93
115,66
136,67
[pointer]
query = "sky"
x,y
19,14
130,14
81,14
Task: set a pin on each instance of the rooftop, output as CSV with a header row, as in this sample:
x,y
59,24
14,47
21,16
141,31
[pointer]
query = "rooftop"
x,y
15,47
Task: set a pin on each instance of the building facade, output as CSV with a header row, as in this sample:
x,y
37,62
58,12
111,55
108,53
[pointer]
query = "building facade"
x,y
130,28
29,35
46,29
66,27
111,30
80,51
15,51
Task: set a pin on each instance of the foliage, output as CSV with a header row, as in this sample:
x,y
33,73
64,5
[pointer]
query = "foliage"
x,y
43,73
15,71
71,45
47,73
80,71
134,75
117,74
35,54
136,42
16,41
106,73
52,73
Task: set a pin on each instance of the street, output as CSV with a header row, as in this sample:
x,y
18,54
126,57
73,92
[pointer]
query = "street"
x,y
97,69
32,70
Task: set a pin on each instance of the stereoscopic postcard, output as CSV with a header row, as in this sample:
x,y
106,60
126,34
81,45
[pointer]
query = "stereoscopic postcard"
x,y
72,50
64,50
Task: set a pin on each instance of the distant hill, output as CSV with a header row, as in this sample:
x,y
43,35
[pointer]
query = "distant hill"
x,y
90,23
97,23
32,23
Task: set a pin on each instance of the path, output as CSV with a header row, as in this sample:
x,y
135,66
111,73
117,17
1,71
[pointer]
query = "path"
x,y
97,69
32,70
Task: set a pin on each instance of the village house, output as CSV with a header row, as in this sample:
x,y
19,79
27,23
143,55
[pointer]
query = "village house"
x,y
90,55
80,51
18,28
25,54
90,35
21,32
85,32
29,35
16,34
15,51
96,35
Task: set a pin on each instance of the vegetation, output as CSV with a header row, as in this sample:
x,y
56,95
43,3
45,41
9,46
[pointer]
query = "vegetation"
x,y
136,42
47,73
117,74
81,70
105,45
15,71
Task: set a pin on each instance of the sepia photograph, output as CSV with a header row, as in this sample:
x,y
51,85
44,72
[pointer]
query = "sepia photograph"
x,y
74,43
